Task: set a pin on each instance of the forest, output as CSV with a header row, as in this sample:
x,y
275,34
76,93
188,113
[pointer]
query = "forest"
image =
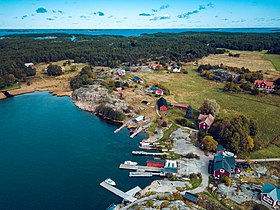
x,y
112,51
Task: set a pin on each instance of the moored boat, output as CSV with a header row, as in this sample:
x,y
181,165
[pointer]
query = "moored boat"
x,y
110,182
128,162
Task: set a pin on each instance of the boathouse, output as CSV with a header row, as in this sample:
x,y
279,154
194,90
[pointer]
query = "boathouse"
x,y
156,163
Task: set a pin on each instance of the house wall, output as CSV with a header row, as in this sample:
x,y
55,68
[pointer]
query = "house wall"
x,y
163,108
158,165
266,198
203,125
219,173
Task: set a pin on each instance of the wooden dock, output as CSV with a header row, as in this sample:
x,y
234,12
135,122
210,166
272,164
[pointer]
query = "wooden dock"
x,y
117,130
128,196
143,174
140,168
140,174
148,153
136,132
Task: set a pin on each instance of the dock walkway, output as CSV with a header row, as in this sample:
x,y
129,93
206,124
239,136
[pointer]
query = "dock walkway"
x,y
148,153
128,196
140,168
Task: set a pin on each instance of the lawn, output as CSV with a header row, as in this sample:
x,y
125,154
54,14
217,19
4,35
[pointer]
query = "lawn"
x,y
193,89
274,59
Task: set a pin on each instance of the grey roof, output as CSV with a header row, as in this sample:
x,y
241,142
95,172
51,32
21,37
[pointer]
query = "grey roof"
x,y
191,197
170,170
222,161
273,191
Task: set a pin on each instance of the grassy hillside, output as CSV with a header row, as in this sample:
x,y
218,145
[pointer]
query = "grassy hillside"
x,y
193,89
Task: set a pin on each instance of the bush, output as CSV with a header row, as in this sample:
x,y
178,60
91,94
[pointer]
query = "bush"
x,y
164,204
193,176
86,77
192,155
54,70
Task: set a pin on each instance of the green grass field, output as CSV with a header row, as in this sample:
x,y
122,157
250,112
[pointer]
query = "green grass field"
x,y
193,89
274,59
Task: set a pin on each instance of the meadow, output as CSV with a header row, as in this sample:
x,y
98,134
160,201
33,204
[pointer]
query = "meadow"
x,y
192,89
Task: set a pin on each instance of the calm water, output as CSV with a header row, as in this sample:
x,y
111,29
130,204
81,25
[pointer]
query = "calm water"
x,y
134,32
53,155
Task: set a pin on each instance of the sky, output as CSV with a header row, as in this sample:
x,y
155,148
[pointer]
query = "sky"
x,y
133,14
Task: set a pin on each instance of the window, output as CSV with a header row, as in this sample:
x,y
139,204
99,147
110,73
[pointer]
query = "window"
x,y
222,170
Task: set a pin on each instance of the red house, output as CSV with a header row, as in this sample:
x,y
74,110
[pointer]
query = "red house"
x,y
162,104
223,165
205,121
155,66
270,195
264,85
156,163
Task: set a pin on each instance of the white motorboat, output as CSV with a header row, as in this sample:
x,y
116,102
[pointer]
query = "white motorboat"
x,y
110,182
128,162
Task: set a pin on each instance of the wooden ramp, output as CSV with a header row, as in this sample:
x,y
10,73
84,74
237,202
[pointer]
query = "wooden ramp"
x,y
128,196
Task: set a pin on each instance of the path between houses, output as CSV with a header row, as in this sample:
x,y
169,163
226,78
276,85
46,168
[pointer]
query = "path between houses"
x,y
260,160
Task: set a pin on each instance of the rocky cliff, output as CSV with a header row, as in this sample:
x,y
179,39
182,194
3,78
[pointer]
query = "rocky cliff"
x,y
88,98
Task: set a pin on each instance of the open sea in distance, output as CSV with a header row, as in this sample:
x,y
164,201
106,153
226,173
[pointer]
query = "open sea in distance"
x,y
134,32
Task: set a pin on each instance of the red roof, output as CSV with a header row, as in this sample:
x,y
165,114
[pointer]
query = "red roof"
x,y
208,119
267,83
155,64
182,106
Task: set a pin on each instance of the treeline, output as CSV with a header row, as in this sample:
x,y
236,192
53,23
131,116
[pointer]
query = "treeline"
x,y
112,51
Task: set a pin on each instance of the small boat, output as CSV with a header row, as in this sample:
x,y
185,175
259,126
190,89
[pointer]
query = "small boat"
x,y
128,162
132,129
110,182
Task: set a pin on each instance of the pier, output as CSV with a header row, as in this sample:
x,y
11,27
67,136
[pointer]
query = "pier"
x,y
136,132
140,168
117,130
128,196
148,153
143,174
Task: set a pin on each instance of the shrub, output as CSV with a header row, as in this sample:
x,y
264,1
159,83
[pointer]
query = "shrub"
x,y
164,204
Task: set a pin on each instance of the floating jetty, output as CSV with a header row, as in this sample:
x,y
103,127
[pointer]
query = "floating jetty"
x,y
128,196
140,174
117,130
143,174
140,168
136,132
148,153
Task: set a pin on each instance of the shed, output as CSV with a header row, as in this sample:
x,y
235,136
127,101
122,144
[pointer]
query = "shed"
x,y
191,197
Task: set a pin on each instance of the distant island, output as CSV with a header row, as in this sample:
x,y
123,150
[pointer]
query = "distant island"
x,y
207,99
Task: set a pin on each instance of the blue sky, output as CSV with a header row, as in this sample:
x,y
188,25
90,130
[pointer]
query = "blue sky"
x,y
97,14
